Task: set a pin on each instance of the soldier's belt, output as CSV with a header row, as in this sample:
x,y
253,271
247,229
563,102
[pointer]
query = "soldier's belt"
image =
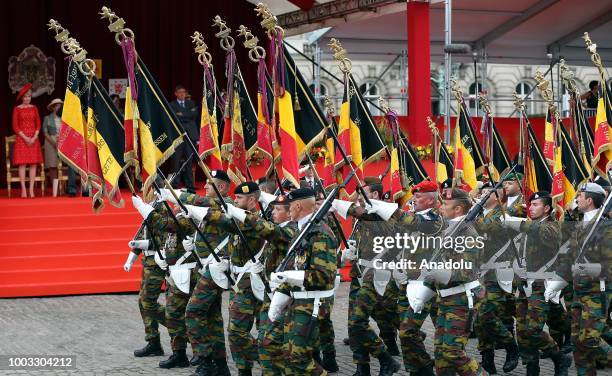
x,y
316,295
541,275
464,288
495,265
240,269
189,265
148,253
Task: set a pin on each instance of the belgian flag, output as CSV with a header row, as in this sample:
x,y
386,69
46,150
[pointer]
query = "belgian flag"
x,y
573,168
500,160
208,146
266,139
469,161
238,170
73,131
152,125
537,174
445,167
584,133
549,139
602,143
413,171
105,147
328,161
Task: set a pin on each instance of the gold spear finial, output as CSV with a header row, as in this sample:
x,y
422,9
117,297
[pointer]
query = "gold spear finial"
x,y
484,103
329,105
61,34
340,55
456,89
546,92
227,42
71,47
595,58
568,77
269,21
519,102
256,52
384,104
432,125
204,57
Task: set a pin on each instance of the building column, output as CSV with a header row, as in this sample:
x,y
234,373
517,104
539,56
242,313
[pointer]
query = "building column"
x,y
419,86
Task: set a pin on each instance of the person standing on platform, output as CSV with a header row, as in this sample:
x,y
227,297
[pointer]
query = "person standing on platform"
x,y
591,97
187,113
51,128
26,125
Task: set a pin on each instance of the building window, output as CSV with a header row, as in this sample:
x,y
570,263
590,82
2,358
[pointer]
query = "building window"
x,y
522,89
474,89
321,95
370,93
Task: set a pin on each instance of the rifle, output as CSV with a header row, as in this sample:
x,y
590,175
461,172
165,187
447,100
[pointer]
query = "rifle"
x,y
316,218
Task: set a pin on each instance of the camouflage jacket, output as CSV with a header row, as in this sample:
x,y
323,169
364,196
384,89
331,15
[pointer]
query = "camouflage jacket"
x,y
149,261
496,236
212,233
542,243
174,232
278,239
317,257
597,250
464,253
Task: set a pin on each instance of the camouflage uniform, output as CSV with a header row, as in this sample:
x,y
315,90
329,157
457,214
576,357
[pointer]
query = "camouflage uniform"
x,y
490,327
590,306
244,306
318,258
151,282
454,313
203,315
270,336
176,300
542,243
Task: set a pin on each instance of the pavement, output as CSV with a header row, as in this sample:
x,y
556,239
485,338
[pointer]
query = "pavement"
x,y
102,331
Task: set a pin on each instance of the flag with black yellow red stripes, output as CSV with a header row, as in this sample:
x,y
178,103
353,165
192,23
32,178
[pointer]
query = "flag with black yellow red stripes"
x,y
469,161
537,175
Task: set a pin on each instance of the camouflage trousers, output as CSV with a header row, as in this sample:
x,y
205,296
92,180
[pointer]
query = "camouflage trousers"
x,y
452,332
270,342
327,336
301,332
204,319
363,304
489,325
151,311
531,315
243,311
413,348
588,326
176,303
559,319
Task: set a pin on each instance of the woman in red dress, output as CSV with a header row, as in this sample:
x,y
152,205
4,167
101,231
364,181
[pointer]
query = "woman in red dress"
x,y
26,125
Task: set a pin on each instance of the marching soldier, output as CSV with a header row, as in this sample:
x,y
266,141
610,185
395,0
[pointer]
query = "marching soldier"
x,y
153,314
181,262
304,286
365,296
489,326
591,244
203,316
540,245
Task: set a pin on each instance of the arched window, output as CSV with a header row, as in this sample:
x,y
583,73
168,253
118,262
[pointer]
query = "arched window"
x,y
523,88
323,91
474,89
370,92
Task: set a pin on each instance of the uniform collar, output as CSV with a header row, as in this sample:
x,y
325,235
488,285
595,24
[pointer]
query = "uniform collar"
x,y
302,222
512,199
588,216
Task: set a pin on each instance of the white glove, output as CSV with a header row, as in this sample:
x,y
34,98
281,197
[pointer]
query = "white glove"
x,y
292,277
257,268
236,213
166,195
188,244
265,199
130,261
342,207
349,253
139,244
384,209
161,263
513,223
400,277
143,209
198,213
278,304
221,266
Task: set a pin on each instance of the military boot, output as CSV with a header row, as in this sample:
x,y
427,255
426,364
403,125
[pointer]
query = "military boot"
x,y
388,365
345,341
316,356
512,357
562,363
363,369
245,372
153,348
205,368
424,371
567,347
177,359
329,361
195,360
221,368
533,368
488,361
391,344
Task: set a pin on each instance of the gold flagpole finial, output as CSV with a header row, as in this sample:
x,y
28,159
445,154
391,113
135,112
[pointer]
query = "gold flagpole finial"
x,y
568,77
484,103
61,34
71,47
595,58
269,21
227,42
329,105
201,49
116,25
546,93
384,104
340,55
519,102
432,125
456,89
256,52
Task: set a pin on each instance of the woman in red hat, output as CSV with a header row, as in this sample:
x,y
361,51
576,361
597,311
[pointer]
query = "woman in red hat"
x,y
26,125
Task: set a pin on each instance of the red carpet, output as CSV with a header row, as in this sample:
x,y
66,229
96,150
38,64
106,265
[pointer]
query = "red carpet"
x,y
58,246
